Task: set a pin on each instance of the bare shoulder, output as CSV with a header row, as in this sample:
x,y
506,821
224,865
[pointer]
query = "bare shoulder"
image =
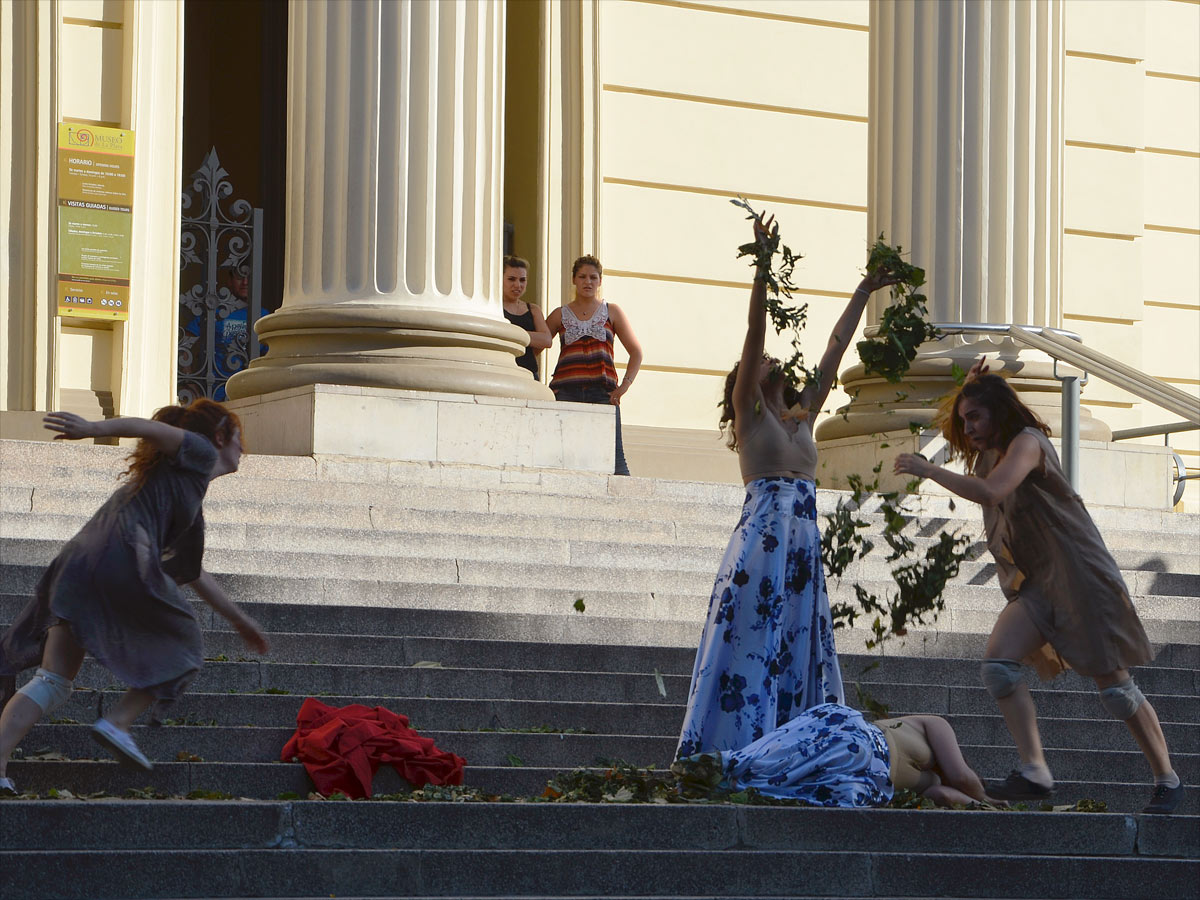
x,y
1026,446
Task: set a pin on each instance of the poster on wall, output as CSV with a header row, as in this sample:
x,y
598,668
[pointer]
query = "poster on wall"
x,y
95,220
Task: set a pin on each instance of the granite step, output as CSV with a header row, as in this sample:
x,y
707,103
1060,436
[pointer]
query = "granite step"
x,y
570,628
518,717
433,565
166,824
607,687
491,586
98,874
1121,762
275,780
315,528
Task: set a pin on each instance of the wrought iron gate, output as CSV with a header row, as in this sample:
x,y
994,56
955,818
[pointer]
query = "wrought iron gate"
x,y
220,283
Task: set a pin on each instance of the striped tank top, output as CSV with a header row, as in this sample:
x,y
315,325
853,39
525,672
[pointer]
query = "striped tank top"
x,y
585,356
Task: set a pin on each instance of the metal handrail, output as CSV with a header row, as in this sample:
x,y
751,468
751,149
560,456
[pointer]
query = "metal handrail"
x,y
1181,473
1116,372
946,329
1055,343
1127,434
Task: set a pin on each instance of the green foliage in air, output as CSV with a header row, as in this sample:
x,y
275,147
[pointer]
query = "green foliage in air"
x,y
778,281
904,325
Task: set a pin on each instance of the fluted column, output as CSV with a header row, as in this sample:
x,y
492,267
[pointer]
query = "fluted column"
x,y
965,172
394,177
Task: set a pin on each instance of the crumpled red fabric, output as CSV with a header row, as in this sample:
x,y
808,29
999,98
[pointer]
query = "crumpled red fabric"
x,y
342,749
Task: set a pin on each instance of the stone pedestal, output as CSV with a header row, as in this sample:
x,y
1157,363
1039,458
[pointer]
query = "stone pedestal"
x,y
394,177
880,407
1122,475
423,426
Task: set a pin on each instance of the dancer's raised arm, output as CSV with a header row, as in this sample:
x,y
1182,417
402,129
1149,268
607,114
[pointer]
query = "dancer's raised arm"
x,y
815,393
746,390
68,426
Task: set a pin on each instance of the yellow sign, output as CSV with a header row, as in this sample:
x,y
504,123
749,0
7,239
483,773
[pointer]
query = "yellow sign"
x,y
95,220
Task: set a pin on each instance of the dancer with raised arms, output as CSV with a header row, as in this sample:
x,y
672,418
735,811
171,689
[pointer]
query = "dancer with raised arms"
x,y
767,651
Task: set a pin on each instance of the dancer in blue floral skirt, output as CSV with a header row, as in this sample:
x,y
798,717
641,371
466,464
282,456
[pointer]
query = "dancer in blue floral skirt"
x,y
831,756
767,651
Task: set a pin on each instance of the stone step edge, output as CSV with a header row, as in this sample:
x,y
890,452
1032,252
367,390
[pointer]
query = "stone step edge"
x,y
550,673
931,506
441,734
326,467
539,773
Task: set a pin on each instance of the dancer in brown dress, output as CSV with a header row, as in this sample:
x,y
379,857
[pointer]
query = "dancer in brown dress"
x,y
1068,602
113,589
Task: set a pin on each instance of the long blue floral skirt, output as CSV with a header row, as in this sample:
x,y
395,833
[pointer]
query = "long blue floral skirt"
x,y
827,756
767,650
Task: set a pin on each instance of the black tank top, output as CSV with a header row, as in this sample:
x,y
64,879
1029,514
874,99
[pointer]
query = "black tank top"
x,y
528,360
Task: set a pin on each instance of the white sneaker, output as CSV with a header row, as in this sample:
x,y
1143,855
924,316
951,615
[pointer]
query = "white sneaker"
x,y
120,745
7,788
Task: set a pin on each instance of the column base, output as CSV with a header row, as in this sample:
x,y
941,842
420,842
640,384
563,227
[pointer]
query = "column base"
x,y
881,407
388,346
380,423
1110,474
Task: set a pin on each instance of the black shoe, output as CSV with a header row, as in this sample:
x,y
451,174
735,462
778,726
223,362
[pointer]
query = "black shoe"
x,y
1164,799
1017,787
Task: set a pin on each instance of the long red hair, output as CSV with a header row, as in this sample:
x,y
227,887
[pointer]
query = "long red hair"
x,y
1009,415
203,416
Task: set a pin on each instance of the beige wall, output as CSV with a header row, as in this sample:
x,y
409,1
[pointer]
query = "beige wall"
x,y
112,63
1132,200
693,114
768,98
693,102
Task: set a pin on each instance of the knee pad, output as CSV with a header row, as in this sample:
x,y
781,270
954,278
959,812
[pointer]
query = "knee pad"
x,y
48,690
1000,676
1122,700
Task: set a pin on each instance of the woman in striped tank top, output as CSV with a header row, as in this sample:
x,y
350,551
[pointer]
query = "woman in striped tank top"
x,y
586,328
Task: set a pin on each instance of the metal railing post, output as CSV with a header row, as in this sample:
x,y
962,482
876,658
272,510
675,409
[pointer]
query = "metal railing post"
x,y
1070,430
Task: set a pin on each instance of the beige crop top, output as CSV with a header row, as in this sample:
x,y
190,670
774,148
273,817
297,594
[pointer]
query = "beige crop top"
x,y
768,448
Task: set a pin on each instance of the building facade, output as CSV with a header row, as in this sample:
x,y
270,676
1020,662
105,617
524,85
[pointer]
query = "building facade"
x,y
1040,159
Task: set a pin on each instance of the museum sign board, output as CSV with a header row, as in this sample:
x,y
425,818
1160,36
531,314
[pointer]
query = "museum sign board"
x,y
95,220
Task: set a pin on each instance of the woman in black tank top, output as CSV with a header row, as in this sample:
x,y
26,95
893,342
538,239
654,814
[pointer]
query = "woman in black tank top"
x,y
524,315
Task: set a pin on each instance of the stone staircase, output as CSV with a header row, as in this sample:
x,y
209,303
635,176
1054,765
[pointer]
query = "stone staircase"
x,y
447,594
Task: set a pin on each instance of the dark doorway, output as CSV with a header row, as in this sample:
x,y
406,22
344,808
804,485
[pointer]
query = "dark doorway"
x,y
235,120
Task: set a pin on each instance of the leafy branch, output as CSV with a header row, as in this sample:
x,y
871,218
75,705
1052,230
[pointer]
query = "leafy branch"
x,y
779,285
904,325
920,584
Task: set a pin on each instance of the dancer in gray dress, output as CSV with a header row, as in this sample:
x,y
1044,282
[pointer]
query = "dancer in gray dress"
x,y
1068,604
113,591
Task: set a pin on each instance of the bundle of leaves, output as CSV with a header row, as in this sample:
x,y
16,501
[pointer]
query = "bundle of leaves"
x,y
614,781
778,281
904,325
920,584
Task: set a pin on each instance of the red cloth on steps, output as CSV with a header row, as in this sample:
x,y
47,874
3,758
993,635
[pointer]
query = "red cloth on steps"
x,y
342,748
